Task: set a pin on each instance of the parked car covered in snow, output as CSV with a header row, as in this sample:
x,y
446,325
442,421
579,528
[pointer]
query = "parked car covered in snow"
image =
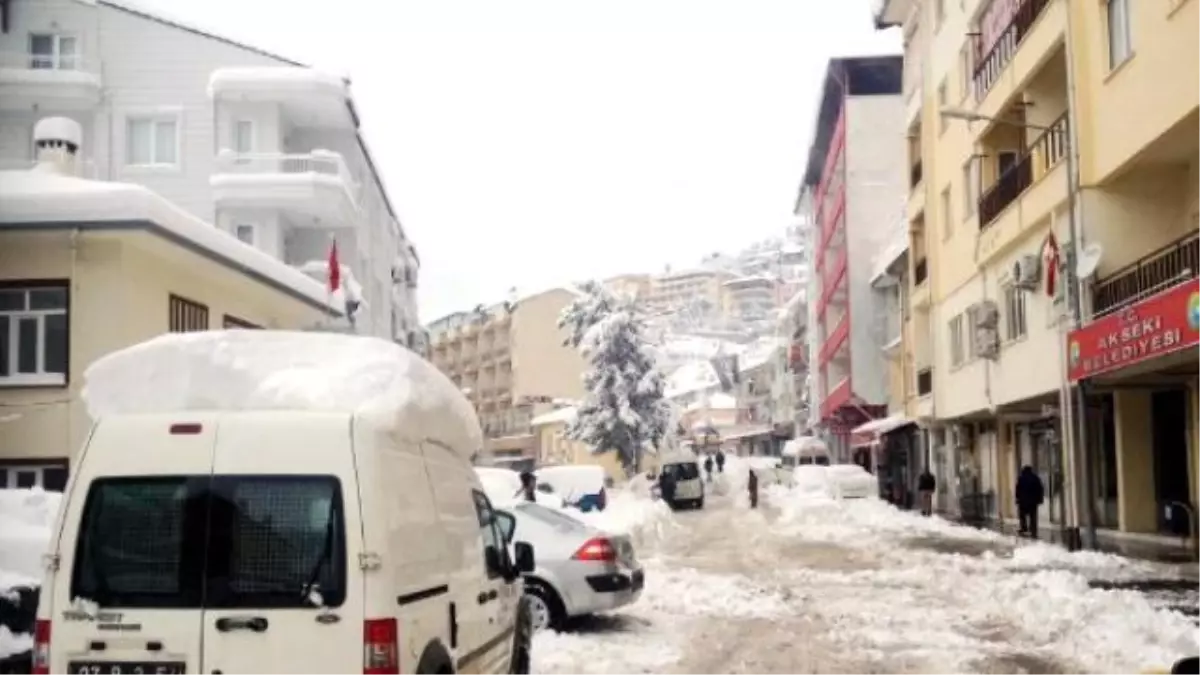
x,y
838,481
580,570
583,486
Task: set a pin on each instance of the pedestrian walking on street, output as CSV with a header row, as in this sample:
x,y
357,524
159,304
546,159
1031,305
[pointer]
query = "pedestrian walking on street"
x,y
708,467
528,490
1030,495
926,485
720,462
752,486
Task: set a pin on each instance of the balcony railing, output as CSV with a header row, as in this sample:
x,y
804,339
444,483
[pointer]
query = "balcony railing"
x,y
914,174
1155,272
318,162
1045,151
924,381
989,68
920,271
77,63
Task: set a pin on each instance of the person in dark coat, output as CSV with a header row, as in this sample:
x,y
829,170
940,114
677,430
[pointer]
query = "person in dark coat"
x,y
720,462
926,485
752,486
1030,495
708,467
528,489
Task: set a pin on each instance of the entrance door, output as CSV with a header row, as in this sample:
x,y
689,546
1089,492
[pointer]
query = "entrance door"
x,y
1168,412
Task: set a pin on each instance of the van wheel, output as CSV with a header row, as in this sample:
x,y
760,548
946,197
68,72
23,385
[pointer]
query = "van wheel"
x,y
546,609
434,661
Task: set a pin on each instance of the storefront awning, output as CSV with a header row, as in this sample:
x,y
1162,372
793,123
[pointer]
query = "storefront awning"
x,y
882,426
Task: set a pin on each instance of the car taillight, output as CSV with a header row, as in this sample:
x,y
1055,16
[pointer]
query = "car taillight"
x,y
598,549
41,647
381,651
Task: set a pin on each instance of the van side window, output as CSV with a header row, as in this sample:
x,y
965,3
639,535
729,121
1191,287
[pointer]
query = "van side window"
x,y
490,529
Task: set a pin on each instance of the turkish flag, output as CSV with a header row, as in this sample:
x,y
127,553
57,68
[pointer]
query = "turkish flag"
x,y
335,269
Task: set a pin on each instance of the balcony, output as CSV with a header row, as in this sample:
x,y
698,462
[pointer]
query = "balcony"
x,y
920,271
835,341
915,174
924,382
1043,154
991,65
49,82
1155,272
307,97
317,185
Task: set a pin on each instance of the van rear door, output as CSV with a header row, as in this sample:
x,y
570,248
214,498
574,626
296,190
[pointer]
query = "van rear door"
x,y
131,549
285,593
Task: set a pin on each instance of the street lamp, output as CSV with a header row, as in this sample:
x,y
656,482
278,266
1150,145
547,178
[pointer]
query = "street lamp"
x,y
1077,432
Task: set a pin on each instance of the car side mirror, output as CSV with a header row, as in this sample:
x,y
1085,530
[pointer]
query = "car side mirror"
x,y
1190,664
525,562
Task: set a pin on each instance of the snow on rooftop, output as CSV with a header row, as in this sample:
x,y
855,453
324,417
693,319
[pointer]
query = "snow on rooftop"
x,y
691,377
291,78
42,196
565,415
241,370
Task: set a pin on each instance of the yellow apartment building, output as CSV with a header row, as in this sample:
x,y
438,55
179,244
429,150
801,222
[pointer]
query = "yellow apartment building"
x,y
87,268
675,290
556,448
511,361
1033,123
634,286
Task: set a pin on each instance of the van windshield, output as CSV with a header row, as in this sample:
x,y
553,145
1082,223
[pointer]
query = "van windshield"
x,y
224,541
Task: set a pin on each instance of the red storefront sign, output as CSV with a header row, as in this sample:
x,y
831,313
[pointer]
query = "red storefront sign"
x,y
1159,325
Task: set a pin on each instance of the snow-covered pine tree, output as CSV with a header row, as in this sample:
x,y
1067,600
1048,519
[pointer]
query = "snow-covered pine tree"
x,y
624,408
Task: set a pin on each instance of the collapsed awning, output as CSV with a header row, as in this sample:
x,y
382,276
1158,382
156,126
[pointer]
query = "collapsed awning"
x,y
882,426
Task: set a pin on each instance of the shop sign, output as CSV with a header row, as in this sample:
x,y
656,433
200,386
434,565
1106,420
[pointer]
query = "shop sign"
x,y
1161,324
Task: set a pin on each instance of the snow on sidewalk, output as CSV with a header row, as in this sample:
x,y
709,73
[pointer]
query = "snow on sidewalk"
x,y
26,517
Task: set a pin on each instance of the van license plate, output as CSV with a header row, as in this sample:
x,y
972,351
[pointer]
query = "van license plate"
x,y
125,668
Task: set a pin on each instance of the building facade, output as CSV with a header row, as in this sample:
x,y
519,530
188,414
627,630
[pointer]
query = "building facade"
x,y
1028,171
855,176
512,362
265,148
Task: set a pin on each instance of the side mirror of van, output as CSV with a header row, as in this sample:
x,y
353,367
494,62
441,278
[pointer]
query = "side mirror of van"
x,y
525,562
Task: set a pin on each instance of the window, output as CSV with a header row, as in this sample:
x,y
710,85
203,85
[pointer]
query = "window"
x,y
243,136
939,14
972,321
1014,313
152,141
965,74
49,475
1120,43
228,322
956,341
943,99
947,216
970,187
186,316
489,528
223,541
33,334
53,52
244,234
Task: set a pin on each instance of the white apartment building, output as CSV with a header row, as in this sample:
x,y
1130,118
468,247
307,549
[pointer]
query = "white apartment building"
x,y
265,148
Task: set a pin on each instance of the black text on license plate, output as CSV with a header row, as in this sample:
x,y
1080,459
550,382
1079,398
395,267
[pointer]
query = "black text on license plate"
x,y
124,668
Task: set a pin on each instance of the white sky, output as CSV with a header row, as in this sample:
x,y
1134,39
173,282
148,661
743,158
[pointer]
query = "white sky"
x,y
529,143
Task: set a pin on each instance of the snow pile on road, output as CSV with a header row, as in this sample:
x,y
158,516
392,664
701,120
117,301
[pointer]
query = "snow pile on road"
x,y
630,513
239,370
26,518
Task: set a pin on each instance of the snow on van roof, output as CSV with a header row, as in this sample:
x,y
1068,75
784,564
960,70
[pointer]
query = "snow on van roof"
x,y
245,370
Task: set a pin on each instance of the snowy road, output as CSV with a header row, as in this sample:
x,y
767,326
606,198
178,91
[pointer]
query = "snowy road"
x,y
808,585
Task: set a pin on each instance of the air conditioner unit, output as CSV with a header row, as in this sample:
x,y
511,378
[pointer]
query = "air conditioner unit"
x,y
987,314
1026,272
987,342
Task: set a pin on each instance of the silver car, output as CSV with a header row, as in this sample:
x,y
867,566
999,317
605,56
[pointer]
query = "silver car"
x,y
580,570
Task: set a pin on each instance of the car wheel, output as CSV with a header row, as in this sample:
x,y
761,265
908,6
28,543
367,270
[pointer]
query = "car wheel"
x,y
546,610
700,503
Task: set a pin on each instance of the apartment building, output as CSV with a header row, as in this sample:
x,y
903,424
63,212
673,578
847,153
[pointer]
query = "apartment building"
x,y
675,291
265,148
89,267
1028,165
751,299
854,178
511,361
633,286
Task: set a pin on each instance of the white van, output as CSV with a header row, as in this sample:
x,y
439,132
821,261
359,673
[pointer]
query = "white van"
x,y
280,541
684,467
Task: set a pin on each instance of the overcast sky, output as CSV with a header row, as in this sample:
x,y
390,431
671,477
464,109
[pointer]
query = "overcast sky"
x,y
527,143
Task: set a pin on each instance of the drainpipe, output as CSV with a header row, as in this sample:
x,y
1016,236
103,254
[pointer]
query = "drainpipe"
x,y
1078,454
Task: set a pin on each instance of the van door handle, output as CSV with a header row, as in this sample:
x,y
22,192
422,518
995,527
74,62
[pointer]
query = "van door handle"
x,y
487,597
258,624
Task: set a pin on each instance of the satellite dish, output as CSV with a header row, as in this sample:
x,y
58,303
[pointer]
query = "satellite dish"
x,y
1089,260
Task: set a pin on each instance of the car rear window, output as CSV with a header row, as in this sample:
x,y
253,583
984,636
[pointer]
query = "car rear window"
x,y
224,541
682,471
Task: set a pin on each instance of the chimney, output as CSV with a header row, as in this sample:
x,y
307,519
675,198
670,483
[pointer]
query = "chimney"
x,y
58,140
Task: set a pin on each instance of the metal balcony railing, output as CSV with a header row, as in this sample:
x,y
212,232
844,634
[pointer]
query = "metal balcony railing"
x,y
65,62
1171,264
990,66
1047,149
